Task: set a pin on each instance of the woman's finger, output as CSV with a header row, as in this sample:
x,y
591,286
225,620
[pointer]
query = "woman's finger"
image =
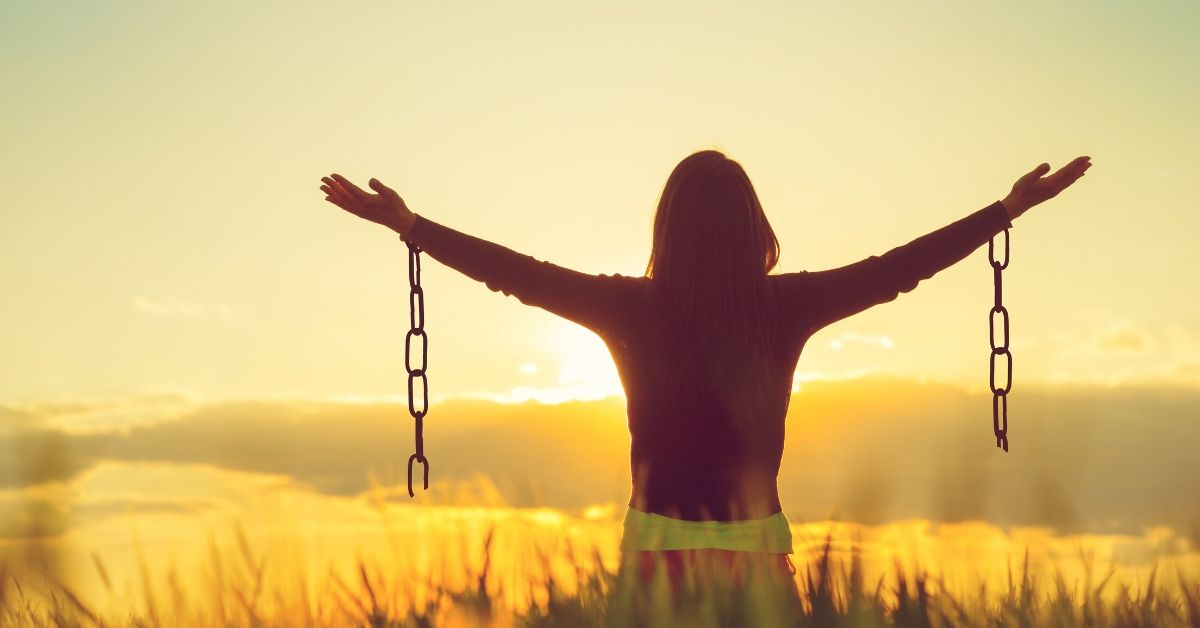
x,y
1073,169
1037,173
333,191
330,194
352,197
350,187
337,185
384,190
330,187
1033,176
343,197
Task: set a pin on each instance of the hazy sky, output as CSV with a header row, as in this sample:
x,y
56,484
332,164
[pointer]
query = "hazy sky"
x,y
872,450
162,230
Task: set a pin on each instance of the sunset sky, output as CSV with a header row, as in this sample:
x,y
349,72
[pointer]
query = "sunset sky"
x,y
191,335
162,230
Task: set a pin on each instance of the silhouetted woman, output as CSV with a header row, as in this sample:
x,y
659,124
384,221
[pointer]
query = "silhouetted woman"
x,y
706,343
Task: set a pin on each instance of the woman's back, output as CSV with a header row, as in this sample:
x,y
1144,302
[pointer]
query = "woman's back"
x,y
696,453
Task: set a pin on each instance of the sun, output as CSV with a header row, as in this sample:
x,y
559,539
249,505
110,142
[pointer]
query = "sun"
x,y
585,368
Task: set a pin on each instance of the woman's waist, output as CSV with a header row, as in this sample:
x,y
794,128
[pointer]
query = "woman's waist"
x,y
693,494
695,447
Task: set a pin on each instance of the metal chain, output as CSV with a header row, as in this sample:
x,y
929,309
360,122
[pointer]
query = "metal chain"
x,y
416,318
999,395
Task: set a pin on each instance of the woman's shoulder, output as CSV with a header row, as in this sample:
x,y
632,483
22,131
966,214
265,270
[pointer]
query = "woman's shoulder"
x,y
635,284
626,284
788,284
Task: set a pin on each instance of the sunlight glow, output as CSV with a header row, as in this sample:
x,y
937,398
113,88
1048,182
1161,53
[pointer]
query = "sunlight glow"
x,y
803,377
853,337
528,368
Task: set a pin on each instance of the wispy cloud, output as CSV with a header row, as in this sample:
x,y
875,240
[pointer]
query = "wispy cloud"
x,y
84,414
1124,336
580,391
183,309
1110,349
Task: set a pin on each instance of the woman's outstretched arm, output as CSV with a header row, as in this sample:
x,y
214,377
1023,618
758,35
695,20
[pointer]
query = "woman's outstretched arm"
x,y
831,295
594,301
820,298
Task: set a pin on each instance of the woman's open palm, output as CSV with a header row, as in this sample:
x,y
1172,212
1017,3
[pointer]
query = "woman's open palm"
x,y
1032,188
385,208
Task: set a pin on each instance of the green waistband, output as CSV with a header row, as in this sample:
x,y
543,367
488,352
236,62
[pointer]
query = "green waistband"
x,y
649,531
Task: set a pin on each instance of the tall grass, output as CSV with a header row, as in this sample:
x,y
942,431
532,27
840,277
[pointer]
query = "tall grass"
x,y
238,586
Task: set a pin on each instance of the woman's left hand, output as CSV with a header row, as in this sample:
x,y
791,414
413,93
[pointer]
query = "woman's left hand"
x,y
385,208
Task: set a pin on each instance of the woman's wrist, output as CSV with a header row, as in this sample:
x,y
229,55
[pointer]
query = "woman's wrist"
x,y
403,224
1012,208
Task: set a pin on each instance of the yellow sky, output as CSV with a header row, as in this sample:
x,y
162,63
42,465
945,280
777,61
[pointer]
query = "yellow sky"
x,y
161,227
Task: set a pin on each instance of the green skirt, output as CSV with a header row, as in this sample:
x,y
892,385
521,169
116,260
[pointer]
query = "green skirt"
x,y
647,531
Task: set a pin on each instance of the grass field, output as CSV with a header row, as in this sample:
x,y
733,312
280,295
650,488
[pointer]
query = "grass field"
x,y
429,566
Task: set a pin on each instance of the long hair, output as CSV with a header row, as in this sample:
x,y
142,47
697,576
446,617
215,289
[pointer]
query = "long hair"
x,y
712,250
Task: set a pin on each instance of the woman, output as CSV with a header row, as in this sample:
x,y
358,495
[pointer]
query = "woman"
x,y
706,344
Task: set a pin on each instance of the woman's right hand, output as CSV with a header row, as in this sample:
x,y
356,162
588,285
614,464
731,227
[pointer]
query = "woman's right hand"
x,y
1032,189
385,208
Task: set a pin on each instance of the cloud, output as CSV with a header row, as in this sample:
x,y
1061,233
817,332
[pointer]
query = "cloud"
x,y
39,456
183,309
1108,349
874,449
39,514
1190,370
14,416
117,491
1124,337
84,414
92,509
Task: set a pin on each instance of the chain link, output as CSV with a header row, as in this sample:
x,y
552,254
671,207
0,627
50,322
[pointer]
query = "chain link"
x,y
999,395
416,318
